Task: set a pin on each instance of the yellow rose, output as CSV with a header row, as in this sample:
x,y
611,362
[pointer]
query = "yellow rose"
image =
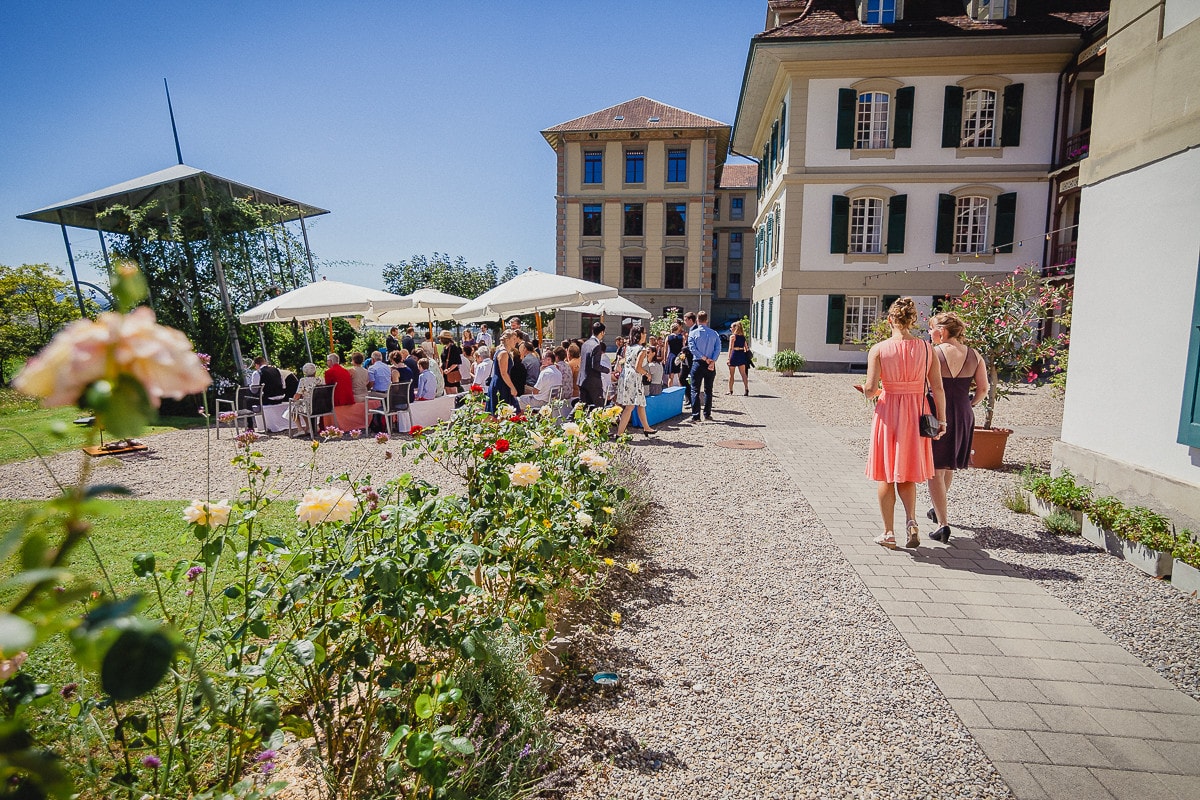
x,y
524,474
213,515
593,461
326,505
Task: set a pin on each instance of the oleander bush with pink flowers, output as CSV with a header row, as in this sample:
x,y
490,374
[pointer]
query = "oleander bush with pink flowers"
x,y
386,632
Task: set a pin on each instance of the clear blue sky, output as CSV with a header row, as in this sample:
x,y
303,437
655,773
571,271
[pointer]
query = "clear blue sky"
x,y
415,124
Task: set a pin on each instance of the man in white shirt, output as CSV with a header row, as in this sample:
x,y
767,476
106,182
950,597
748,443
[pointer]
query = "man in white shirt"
x,y
485,336
426,383
547,379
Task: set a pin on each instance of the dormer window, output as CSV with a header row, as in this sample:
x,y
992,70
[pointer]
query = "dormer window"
x,y
986,10
880,12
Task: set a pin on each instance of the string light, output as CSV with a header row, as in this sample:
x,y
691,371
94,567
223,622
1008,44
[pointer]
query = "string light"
x,y
1030,265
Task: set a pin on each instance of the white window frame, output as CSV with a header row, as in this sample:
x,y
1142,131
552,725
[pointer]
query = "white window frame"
x,y
979,119
972,215
860,314
872,120
866,226
987,10
867,6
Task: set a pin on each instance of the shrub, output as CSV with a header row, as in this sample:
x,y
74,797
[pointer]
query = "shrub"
x,y
1063,491
788,361
1105,512
1036,482
1061,524
1144,526
1187,549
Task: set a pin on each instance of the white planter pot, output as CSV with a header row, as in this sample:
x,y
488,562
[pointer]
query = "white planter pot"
x,y
1151,562
1101,537
1044,509
1186,578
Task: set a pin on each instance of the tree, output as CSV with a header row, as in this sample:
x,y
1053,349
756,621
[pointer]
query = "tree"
x,y
38,301
438,271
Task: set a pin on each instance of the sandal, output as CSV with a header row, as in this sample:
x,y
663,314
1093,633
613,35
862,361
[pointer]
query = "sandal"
x,y
914,533
886,539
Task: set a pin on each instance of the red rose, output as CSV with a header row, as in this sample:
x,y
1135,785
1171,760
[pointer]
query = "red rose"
x,y
488,453
415,430
476,388
517,418
502,445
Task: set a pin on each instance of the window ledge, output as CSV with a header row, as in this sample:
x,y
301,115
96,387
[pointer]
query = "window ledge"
x,y
641,185
632,241
881,152
865,258
852,348
979,152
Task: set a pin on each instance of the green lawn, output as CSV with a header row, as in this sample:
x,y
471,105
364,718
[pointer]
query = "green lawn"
x,y
39,425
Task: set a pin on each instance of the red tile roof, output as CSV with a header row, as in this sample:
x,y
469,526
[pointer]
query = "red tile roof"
x,y
637,114
738,176
937,18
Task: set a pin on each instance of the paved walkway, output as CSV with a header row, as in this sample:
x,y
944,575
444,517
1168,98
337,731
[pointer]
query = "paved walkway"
x,y
1061,709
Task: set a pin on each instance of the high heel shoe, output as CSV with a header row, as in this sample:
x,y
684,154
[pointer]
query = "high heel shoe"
x,y
914,533
932,514
942,534
648,431
731,391
747,393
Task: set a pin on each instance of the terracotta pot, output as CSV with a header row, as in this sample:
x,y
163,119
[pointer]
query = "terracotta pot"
x,y
987,447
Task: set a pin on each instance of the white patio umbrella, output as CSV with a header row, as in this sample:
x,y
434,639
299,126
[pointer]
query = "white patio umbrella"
x,y
422,305
533,292
613,306
317,300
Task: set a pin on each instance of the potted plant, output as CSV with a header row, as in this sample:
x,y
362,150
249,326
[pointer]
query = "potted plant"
x,y
1004,321
1185,573
1059,494
786,362
1147,540
1100,522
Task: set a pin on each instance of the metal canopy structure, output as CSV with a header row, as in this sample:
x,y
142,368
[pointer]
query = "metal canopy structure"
x,y
178,203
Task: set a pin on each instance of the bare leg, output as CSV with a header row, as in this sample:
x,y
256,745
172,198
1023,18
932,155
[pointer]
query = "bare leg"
x,y
908,496
938,485
745,377
887,504
732,371
641,412
626,413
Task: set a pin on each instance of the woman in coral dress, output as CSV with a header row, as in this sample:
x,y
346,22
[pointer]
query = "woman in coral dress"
x,y
899,457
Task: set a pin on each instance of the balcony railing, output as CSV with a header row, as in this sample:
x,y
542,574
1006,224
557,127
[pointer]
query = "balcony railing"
x,y
1076,147
1062,260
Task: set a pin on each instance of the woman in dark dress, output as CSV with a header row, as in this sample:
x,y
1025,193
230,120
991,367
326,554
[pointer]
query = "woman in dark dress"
x,y
501,387
739,357
674,348
961,367
451,363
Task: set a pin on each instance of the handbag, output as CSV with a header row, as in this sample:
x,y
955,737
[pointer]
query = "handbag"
x,y
929,424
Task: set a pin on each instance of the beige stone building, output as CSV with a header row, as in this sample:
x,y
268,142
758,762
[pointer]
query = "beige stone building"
x,y
733,242
635,198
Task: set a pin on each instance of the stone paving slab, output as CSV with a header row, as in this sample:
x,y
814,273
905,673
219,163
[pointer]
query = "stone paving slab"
x,y
1059,707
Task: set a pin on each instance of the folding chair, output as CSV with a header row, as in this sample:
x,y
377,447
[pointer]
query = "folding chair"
x,y
394,403
320,405
245,405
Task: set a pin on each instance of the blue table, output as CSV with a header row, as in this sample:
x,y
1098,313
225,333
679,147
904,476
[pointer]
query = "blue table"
x,y
662,407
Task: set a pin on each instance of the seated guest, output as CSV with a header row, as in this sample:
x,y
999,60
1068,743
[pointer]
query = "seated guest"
x,y
560,364
360,376
410,361
273,395
655,368
547,379
339,376
380,374
467,366
533,364
302,399
483,366
402,374
426,383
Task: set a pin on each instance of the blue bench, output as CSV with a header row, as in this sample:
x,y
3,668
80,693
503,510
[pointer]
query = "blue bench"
x,y
662,407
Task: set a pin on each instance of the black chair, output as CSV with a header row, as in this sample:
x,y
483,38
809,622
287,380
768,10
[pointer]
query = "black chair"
x,y
246,404
394,403
320,405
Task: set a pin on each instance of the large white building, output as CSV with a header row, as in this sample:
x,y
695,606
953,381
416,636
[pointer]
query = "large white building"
x,y
900,144
1132,417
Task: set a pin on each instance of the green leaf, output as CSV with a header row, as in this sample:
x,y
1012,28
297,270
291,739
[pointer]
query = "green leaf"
x,y
107,488
303,652
232,592
419,750
144,565
13,538
34,551
299,727
395,741
461,744
16,634
135,663
264,712
423,707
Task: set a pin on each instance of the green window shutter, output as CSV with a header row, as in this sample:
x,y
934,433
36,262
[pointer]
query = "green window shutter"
x,y
1006,222
847,108
836,320
897,216
887,301
1010,124
1189,417
902,133
839,229
943,240
952,117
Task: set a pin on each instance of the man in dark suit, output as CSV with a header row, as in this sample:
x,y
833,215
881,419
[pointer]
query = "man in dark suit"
x,y
392,342
591,386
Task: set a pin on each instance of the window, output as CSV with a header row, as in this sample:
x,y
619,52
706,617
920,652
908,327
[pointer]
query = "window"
x,y
770,317
635,166
866,225
871,121
676,219
716,248
880,12
631,273
737,209
735,280
979,118
1189,415
633,219
593,166
861,313
591,269
970,224
677,166
717,207
735,244
592,215
673,273
992,9
778,234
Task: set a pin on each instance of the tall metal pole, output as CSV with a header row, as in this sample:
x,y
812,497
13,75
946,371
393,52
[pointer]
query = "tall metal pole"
x,y
174,130
312,271
234,342
71,261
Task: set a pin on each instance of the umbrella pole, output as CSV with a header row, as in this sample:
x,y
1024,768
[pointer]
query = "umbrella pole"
x,y
307,344
262,340
537,316
330,321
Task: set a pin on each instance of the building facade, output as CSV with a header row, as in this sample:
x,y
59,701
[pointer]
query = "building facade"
x,y
636,190
899,145
733,242
1131,420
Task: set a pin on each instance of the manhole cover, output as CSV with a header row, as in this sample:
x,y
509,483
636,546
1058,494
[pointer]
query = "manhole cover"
x,y
742,444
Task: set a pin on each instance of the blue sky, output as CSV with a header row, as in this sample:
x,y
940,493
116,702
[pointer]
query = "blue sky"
x,y
416,124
